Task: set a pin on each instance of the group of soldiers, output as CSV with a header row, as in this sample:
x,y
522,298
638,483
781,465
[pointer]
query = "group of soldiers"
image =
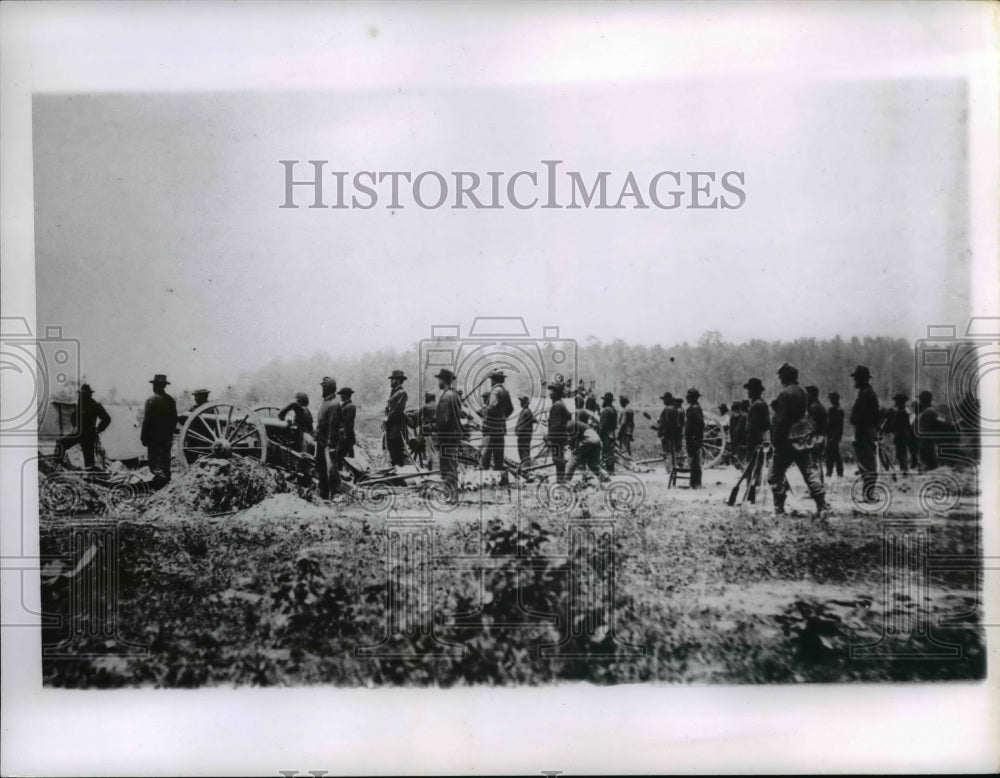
x,y
795,428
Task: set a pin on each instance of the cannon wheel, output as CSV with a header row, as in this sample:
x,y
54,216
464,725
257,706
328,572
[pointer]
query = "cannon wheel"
x,y
222,428
267,411
713,445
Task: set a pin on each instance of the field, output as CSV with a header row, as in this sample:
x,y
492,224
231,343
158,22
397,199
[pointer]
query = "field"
x,y
676,587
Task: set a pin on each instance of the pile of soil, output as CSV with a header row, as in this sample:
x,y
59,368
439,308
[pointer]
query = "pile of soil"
x,y
214,486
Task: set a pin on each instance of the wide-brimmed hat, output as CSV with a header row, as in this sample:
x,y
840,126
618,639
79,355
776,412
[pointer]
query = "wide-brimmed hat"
x,y
754,383
692,393
901,396
861,371
523,397
608,396
812,389
85,389
159,378
498,375
196,392
345,391
785,369
445,374
666,396
398,374
558,386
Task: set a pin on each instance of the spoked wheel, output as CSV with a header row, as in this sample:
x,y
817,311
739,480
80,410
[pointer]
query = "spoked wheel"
x,y
713,445
222,429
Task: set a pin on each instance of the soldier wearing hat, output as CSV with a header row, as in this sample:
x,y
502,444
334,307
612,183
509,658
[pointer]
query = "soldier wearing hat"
x,y
92,419
302,421
834,434
758,424
159,421
607,426
865,420
523,428
792,436
902,431
327,438
200,397
559,419
817,412
666,429
758,415
347,437
694,436
498,408
626,432
448,430
395,420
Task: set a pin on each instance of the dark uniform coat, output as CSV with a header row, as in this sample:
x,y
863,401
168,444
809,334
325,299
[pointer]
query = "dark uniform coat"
x,y
159,420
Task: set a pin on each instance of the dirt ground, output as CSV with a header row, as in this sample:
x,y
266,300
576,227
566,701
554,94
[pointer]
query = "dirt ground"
x,y
628,582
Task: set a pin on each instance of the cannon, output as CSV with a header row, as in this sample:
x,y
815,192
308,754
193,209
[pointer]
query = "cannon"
x,y
222,428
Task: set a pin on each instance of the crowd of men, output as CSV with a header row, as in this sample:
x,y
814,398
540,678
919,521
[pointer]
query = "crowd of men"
x,y
794,429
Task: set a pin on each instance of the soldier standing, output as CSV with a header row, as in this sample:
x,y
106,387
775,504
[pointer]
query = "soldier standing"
x,y
902,432
694,435
793,442
626,432
327,432
758,426
817,412
865,420
559,418
428,417
395,419
497,410
347,437
834,434
607,427
448,431
523,428
758,415
93,419
159,420
666,427
303,421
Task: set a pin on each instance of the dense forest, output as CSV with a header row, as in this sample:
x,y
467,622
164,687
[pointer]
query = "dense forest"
x,y
716,367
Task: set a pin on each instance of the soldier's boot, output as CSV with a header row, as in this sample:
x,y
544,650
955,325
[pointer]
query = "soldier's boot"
x,y
822,508
779,505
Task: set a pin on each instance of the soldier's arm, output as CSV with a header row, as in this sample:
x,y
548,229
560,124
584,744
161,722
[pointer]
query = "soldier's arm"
x,y
105,419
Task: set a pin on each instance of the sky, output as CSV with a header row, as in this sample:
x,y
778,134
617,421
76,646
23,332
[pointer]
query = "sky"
x,y
161,247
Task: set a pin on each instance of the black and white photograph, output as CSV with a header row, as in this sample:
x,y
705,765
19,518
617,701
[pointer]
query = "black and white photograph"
x,y
437,367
